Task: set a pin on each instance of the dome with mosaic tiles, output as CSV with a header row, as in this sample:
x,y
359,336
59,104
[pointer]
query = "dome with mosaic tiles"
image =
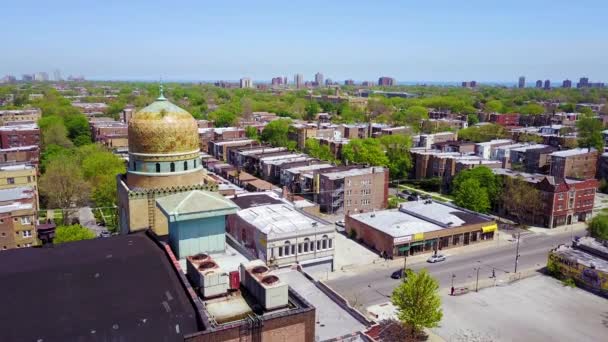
x,y
162,128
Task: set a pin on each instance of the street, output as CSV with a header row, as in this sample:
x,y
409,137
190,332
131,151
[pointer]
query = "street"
x,y
374,285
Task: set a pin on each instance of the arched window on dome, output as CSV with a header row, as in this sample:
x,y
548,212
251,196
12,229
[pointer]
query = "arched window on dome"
x,y
195,163
172,167
134,166
185,165
157,167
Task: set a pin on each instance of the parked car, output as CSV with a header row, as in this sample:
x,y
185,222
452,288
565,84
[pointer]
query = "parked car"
x,y
412,198
105,234
436,258
398,274
340,223
425,197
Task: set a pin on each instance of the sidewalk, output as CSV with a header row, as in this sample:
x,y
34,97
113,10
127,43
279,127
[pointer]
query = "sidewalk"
x,y
575,229
432,194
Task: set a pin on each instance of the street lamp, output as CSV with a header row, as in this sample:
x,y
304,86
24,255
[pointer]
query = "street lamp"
x,y
477,281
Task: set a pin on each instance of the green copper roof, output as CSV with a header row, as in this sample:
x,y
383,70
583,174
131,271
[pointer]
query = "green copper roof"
x,y
195,204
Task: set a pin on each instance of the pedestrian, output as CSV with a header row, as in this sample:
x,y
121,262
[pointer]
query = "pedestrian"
x,y
452,292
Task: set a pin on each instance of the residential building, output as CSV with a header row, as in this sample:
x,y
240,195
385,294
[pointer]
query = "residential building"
x,y
469,84
57,75
19,175
354,131
522,82
547,85
418,227
385,81
20,155
245,82
485,149
583,82
27,78
349,82
565,200
219,149
319,79
91,108
567,84
353,190
462,147
580,163
438,125
539,84
427,140
18,217
505,119
534,158
19,135
298,80
110,133
20,115
41,77
281,235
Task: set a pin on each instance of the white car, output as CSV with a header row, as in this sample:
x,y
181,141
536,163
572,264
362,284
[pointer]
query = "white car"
x,y
436,258
340,223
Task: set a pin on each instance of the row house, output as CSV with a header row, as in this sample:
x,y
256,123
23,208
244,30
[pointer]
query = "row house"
x,y
244,157
20,155
427,140
505,119
219,149
20,115
19,135
434,125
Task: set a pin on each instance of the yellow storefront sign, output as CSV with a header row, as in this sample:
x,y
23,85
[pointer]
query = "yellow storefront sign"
x,y
491,228
418,236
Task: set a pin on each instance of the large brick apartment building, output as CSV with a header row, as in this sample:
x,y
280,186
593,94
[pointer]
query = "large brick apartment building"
x,y
578,163
19,135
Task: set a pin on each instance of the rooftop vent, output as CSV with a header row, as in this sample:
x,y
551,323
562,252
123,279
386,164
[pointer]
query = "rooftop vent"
x,y
269,280
259,269
207,265
199,257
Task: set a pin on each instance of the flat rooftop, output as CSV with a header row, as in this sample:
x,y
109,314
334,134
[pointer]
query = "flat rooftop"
x,y
396,223
495,142
572,152
353,172
281,219
121,288
21,192
529,147
582,257
443,213
255,199
16,167
20,127
298,169
233,142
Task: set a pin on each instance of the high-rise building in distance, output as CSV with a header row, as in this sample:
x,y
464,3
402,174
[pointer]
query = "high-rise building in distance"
x,y
547,84
27,78
567,84
319,79
539,84
385,81
41,77
583,82
522,82
277,81
246,82
298,79
57,75
349,83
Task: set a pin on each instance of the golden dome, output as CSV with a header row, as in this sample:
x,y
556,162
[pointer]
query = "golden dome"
x,y
162,128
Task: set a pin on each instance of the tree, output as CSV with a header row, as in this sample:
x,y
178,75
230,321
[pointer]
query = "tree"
x,y
54,131
72,233
520,199
485,178
63,185
397,149
532,109
472,119
471,195
417,301
364,151
598,228
223,118
411,116
99,168
276,133
312,109
316,150
494,106
251,133
78,129
483,133
590,132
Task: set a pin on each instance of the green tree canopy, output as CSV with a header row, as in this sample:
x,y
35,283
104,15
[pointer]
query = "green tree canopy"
x,y
494,106
471,195
483,133
532,109
316,150
598,228
590,132
223,118
364,151
72,233
252,132
417,301
276,133
411,116
397,149
312,109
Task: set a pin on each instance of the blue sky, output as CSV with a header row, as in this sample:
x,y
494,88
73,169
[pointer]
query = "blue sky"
x,y
207,40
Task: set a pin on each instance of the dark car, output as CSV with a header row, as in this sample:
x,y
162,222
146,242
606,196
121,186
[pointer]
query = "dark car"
x,y
105,234
412,198
398,274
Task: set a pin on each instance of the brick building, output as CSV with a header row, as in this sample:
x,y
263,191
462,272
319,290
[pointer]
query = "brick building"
x,y
20,115
18,217
565,200
353,190
505,119
19,155
19,135
578,163
418,227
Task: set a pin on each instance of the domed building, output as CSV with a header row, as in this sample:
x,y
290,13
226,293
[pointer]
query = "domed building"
x,y
164,159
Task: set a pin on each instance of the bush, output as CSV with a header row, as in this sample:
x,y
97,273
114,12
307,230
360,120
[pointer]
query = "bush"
x,y
569,282
352,234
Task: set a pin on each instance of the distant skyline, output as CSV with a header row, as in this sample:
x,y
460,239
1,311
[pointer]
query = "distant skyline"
x,y
417,41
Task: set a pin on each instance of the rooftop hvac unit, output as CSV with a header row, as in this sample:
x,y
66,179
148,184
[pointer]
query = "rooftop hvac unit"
x,y
268,290
207,275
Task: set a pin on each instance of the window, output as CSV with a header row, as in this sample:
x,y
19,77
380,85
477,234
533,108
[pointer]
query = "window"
x,y
10,180
134,166
3,234
300,248
293,249
157,167
172,167
185,165
560,196
287,248
324,241
29,179
25,220
15,219
318,244
27,233
280,251
329,242
306,244
195,163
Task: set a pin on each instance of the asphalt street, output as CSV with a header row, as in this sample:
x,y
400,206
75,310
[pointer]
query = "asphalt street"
x,y
374,285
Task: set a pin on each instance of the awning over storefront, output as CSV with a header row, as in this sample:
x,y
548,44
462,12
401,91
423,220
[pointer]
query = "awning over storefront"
x,y
404,248
430,242
419,243
489,229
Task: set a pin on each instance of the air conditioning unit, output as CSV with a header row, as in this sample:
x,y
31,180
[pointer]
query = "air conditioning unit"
x,y
207,275
268,290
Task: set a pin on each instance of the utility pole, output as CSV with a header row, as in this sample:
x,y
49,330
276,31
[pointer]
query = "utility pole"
x,y
517,253
477,281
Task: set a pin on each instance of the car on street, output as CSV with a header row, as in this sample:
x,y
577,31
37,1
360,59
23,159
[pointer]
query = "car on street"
x,y
398,274
340,223
436,258
105,234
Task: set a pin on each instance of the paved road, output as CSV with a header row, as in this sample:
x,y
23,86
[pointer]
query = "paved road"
x,y
374,286
87,219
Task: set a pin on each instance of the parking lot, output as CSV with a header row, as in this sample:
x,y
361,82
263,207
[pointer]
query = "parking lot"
x,y
534,309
